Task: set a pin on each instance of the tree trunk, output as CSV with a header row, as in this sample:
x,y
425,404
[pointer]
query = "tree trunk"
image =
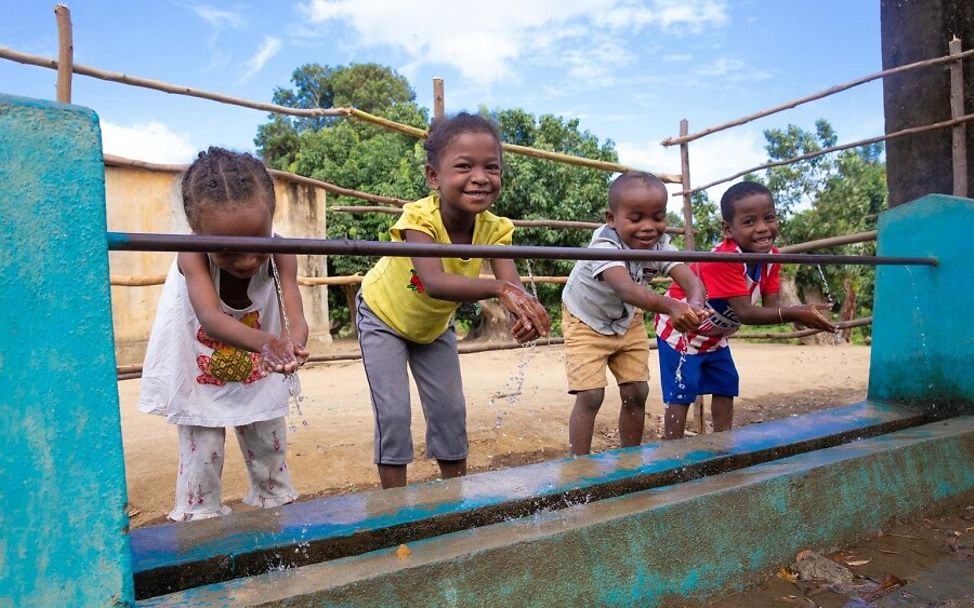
x,y
494,325
848,311
349,291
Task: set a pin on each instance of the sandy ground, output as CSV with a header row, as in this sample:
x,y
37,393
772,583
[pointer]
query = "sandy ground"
x,y
517,413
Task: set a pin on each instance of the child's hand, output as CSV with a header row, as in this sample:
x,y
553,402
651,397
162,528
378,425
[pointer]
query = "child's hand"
x,y
810,315
301,353
530,318
521,333
685,318
279,355
701,309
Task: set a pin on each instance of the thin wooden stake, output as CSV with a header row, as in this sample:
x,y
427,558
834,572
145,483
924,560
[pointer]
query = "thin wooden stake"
x,y
689,242
856,144
959,132
672,141
439,105
65,53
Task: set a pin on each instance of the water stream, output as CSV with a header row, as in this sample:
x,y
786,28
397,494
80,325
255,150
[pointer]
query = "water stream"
x,y
293,385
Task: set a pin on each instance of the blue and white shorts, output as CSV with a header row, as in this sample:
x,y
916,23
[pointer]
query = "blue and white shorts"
x,y
712,373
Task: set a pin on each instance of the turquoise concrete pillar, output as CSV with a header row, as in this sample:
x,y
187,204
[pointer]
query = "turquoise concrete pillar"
x,y
63,525
923,344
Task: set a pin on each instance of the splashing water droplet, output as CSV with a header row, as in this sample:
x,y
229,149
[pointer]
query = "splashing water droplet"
x,y
825,285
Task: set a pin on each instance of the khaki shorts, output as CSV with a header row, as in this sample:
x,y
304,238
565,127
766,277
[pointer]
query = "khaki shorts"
x,y
587,352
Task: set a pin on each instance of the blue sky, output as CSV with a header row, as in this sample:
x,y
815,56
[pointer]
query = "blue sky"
x,y
628,70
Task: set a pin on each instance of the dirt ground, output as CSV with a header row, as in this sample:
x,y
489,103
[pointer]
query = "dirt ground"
x,y
517,413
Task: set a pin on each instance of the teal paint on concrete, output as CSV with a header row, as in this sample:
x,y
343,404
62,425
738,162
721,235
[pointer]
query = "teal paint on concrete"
x,y
63,539
171,557
660,546
922,345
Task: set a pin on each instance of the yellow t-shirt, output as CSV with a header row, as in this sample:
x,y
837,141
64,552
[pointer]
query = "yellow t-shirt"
x,y
393,290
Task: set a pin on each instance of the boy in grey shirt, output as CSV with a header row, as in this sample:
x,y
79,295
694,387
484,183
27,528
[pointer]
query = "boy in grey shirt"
x,y
602,310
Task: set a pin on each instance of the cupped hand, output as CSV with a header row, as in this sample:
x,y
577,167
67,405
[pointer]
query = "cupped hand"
x,y
684,318
530,318
812,316
700,309
301,353
279,355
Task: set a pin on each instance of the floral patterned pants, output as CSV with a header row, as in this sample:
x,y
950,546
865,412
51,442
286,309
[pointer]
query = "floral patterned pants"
x,y
201,450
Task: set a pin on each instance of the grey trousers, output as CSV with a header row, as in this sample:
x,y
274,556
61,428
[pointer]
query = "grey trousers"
x,y
435,368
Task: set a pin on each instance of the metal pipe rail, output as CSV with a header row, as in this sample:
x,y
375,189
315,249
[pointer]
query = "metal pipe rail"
x,y
137,241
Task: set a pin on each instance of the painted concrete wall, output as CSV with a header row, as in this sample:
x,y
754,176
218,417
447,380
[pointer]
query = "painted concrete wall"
x,y
668,546
922,343
63,524
143,200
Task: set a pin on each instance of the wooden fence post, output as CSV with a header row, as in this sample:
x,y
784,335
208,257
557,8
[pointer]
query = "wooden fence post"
x,y
439,105
959,132
689,243
65,54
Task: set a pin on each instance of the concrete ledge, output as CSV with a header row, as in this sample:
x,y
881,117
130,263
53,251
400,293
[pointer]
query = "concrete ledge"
x,y
181,556
657,547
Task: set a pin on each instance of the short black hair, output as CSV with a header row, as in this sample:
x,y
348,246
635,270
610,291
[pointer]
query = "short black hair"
x,y
630,179
737,192
219,177
443,131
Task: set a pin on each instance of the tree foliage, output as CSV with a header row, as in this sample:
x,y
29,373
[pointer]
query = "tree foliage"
x,y
831,195
707,227
541,189
368,158
349,153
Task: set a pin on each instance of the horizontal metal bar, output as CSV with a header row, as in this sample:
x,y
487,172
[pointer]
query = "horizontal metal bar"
x,y
137,241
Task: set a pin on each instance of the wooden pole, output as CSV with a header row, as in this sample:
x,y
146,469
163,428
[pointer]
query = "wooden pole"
x,y
46,62
832,241
355,113
439,107
672,141
959,148
856,144
65,53
689,242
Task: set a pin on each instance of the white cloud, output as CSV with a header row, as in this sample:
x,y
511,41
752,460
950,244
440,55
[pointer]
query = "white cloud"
x,y
151,142
217,17
733,70
711,158
487,47
269,47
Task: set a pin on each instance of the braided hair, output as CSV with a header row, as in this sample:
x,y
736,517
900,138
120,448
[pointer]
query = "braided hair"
x,y
219,177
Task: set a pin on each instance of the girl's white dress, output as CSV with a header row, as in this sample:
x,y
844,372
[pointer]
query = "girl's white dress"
x,y
203,385
192,379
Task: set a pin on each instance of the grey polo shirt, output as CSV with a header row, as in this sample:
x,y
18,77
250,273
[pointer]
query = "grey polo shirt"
x,y
587,296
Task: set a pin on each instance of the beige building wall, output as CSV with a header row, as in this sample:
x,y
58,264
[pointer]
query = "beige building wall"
x,y
148,200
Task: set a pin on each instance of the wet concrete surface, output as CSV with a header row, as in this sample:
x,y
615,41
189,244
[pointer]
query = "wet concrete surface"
x,y
173,557
659,547
932,555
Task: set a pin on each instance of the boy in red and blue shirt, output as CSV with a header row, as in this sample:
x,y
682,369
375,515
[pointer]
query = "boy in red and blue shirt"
x,y
699,362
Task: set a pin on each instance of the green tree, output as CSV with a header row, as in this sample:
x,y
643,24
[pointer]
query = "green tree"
x,y
368,158
347,152
831,195
799,182
542,189
707,227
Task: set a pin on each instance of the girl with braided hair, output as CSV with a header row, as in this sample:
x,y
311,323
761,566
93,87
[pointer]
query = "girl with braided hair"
x,y
219,336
